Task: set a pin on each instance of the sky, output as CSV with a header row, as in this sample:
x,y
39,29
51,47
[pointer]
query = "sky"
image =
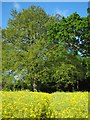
x,y
51,8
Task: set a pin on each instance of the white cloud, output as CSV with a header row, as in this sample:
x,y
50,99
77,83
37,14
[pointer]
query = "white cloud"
x,y
62,12
16,6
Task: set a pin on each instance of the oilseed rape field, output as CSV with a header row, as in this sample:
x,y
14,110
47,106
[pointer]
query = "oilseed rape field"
x,y
0,105
25,104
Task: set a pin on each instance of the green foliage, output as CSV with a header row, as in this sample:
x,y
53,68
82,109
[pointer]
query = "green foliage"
x,y
0,55
73,32
44,53
87,63
24,32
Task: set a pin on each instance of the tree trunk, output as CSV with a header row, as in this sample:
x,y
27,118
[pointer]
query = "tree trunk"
x,y
0,85
77,85
72,88
34,86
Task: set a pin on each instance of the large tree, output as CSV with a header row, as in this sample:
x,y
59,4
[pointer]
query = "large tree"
x,y
44,53
74,34
24,44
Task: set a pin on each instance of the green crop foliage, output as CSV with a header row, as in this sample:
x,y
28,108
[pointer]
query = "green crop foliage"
x,y
25,104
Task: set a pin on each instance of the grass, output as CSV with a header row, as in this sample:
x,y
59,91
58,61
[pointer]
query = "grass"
x,y
25,104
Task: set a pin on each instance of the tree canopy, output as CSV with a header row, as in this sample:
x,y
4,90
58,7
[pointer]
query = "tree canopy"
x,y
45,53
